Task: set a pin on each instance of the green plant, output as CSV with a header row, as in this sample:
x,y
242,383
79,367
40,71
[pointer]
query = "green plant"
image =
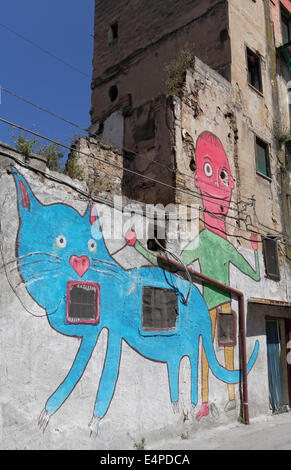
x,y
281,133
176,72
52,153
185,436
140,445
241,419
73,170
24,145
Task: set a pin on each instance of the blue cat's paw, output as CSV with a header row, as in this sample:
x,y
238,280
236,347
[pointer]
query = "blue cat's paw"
x,y
43,420
94,426
175,406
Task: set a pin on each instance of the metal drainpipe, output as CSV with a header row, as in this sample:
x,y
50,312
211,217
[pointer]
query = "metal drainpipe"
x,y
242,327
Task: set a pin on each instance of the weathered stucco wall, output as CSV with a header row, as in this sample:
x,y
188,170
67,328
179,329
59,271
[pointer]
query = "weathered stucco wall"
x,y
150,35
44,218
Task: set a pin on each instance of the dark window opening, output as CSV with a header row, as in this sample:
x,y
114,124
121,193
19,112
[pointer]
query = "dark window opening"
x,y
159,309
113,32
263,158
271,259
156,236
286,27
113,93
226,324
254,70
83,302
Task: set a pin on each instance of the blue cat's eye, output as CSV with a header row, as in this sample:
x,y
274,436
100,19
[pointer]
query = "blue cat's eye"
x,y
61,241
92,246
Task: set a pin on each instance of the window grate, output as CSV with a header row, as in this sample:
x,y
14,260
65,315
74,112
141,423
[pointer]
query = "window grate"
x,y
83,302
270,250
159,309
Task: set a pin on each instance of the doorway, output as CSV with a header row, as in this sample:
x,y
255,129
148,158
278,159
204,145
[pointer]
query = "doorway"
x,y
277,332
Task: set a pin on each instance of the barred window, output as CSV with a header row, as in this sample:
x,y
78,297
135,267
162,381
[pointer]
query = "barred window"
x,y
226,324
159,309
83,299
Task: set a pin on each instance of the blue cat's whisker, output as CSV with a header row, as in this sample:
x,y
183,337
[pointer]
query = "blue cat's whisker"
x,y
20,258
105,262
23,265
107,273
32,276
104,265
29,282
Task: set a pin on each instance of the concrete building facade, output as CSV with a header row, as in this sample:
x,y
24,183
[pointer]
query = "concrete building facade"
x,y
147,335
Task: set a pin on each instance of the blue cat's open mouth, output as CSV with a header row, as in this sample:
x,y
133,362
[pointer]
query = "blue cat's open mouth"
x,y
83,302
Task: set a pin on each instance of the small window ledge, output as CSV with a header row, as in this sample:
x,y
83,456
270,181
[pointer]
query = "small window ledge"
x,y
268,178
256,90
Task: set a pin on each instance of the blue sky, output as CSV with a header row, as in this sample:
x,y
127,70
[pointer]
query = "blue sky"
x,y
65,29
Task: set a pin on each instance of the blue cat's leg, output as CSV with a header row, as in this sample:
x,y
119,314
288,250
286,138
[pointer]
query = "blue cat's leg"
x,y
194,372
63,391
173,372
107,382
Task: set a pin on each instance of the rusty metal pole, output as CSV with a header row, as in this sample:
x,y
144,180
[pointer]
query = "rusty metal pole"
x,y
242,328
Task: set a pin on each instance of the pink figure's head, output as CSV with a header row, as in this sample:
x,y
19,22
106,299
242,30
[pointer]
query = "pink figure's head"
x,y
213,175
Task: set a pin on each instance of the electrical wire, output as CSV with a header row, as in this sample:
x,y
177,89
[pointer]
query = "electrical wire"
x,y
172,170
102,200
29,41
120,168
114,165
41,108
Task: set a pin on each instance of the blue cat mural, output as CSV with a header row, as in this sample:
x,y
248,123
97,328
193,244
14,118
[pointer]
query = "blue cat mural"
x,y
84,290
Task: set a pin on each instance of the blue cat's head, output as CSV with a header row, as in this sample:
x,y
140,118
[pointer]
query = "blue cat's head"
x,y
57,247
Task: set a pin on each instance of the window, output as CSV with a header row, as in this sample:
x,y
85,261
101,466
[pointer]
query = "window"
x,y
286,27
270,250
113,32
156,232
226,325
83,302
159,309
113,93
263,158
254,70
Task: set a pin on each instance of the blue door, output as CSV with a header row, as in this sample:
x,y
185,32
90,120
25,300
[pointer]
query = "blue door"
x,y
276,387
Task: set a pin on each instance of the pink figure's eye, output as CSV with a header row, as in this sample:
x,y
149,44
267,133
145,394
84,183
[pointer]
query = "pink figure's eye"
x,y
208,169
224,177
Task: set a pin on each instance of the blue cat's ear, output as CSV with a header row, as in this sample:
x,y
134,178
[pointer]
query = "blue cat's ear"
x,y
26,198
93,214
95,224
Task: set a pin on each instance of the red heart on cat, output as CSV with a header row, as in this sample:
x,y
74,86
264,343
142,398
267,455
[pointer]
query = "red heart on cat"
x,y
80,264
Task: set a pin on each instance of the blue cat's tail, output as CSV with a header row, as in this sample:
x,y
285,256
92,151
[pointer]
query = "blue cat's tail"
x,y
228,376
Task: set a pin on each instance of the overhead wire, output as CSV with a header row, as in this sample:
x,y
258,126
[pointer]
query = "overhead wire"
x,y
29,41
41,108
90,155
124,149
102,200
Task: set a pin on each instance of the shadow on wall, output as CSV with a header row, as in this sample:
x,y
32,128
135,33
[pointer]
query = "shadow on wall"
x,y
257,314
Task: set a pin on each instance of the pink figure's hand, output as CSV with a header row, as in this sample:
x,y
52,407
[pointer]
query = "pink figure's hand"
x,y
130,238
254,241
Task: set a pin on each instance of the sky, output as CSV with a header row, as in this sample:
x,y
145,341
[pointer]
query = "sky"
x,y
65,29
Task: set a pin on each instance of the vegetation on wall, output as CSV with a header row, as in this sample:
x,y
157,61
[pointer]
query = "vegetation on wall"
x,y
281,133
72,169
51,152
176,72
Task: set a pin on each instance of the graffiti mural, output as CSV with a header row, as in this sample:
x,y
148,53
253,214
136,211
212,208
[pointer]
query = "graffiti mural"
x,y
212,249
83,290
